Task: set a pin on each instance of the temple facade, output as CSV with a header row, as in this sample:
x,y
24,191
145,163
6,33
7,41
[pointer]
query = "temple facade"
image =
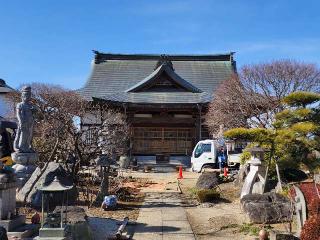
x,y
164,98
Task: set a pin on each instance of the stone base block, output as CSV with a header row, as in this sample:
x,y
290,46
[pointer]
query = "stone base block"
x,y
282,236
12,224
24,158
52,232
267,208
7,177
25,231
7,185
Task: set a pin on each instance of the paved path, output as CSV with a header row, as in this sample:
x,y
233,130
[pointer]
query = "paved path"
x,y
162,217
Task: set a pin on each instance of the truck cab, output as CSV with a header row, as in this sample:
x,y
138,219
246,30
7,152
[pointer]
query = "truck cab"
x,y
204,155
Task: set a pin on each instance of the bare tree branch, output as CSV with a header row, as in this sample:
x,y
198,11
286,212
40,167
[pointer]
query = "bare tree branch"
x,y
252,97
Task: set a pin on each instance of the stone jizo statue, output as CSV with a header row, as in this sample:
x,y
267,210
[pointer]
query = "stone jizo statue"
x,y
25,111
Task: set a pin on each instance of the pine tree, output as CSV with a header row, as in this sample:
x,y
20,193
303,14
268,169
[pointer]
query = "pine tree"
x,y
294,139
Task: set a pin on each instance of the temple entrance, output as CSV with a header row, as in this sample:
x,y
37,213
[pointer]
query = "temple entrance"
x,y
162,140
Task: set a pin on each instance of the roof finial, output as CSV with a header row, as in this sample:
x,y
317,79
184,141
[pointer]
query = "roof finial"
x,y
2,83
164,60
97,57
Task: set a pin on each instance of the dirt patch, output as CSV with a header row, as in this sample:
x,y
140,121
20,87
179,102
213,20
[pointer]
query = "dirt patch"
x,y
229,192
219,223
154,187
130,198
221,219
129,195
124,209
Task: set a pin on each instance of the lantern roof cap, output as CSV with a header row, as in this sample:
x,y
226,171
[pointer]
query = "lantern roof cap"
x,y
257,149
55,186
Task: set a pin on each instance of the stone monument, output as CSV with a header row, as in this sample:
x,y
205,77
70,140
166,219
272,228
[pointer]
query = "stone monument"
x,y
24,156
301,209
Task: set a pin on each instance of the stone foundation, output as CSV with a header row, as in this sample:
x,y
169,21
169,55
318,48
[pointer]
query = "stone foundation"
x,y
12,224
24,158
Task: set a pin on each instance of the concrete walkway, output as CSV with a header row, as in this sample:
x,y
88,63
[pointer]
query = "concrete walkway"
x,y
162,217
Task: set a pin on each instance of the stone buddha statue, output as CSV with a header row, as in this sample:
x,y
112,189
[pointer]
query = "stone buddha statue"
x,y
25,115
24,156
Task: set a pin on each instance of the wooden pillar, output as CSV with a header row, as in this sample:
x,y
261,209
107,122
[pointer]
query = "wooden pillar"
x,y
61,211
42,209
198,123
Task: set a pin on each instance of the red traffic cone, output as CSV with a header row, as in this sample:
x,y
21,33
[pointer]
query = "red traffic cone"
x,y
225,171
180,173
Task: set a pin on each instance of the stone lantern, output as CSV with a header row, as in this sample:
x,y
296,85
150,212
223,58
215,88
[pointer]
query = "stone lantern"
x,y
52,226
104,162
257,154
256,178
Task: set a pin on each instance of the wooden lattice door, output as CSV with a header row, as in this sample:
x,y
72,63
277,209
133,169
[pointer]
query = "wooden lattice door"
x,y
148,140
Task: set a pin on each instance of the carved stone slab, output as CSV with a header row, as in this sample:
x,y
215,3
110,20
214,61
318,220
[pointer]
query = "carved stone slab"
x,y
301,208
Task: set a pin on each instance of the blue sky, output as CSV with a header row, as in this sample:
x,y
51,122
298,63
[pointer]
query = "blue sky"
x,y
51,40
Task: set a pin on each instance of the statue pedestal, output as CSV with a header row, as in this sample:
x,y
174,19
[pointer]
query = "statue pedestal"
x,y
23,173
24,158
24,167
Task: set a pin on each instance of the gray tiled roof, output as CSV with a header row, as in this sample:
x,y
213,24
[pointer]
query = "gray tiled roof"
x,y
4,88
158,97
111,77
157,72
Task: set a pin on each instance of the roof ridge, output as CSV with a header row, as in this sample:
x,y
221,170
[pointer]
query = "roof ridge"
x,y
102,57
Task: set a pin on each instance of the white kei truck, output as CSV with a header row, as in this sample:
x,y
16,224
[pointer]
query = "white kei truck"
x,y
204,155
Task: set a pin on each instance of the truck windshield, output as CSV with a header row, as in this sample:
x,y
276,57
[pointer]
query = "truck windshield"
x,y
202,148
